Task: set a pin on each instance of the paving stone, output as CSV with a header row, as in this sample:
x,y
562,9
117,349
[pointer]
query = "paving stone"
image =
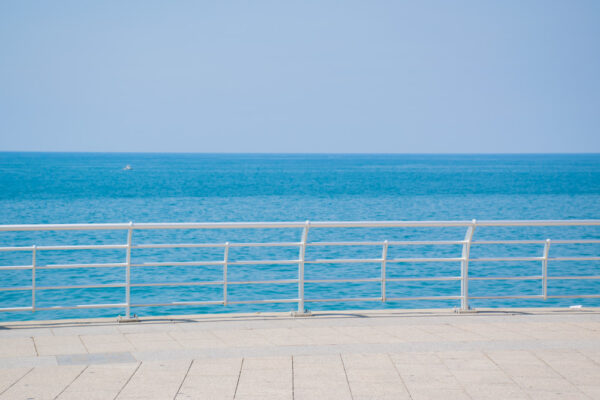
x,y
78,330
242,338
152,341
325,335
9,376
107,343
420,376
18,362
216,367
266,377
18,331
496,391
367,334
321,377
529,371
54,345
409,333
211,379
17,347
261,363
90,359
362,355
43,383
518,357
373,375
197,339
556,395
155,380
99,382
426,393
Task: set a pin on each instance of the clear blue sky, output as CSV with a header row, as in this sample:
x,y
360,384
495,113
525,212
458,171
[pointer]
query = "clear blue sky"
x,y
300,76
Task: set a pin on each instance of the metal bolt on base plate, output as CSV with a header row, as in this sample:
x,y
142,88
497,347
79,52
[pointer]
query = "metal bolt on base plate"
x,y
298,314
470,310
121,319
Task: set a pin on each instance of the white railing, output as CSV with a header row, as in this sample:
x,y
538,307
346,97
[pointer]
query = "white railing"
x,y
465,260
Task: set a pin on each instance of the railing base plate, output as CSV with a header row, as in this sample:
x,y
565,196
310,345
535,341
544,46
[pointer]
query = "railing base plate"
x,y
298,314
123,320
468,311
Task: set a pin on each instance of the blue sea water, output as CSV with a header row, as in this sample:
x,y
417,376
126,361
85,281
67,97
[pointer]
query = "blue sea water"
x,y
39,188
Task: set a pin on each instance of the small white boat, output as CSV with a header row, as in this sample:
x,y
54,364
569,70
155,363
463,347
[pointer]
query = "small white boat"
x,y
127,168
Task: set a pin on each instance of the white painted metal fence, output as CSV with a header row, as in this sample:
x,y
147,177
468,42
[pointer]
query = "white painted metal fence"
x,y
301,261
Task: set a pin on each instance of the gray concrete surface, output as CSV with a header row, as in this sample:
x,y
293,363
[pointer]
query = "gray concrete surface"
x,y
423,354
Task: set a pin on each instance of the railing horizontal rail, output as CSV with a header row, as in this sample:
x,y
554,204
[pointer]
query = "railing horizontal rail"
x,y
16,267
415,260
556,241
533,296
343,260
499,278
66,266
342,280
177,264
15,288
316,224
573,277
489,259
294,244
159,284
425,279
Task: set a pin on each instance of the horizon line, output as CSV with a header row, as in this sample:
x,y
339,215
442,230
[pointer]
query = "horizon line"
x,y
289,153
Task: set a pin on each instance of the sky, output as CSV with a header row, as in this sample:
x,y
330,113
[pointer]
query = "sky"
x,y
300,76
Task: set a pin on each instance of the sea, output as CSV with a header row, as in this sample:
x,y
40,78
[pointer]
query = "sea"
x,y
62,188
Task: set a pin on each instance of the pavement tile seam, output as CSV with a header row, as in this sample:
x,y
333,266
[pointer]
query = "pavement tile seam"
x,y
399,376
293,380
127,381
460,383
184,378
346,375
83,343
575,387
589,358
237,383
73,380
35,347
16,381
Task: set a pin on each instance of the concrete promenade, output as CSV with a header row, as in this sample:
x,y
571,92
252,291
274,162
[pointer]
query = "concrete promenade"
x,y
425,354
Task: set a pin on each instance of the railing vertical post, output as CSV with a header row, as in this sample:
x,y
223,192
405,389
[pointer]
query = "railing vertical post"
x,y
545,269
225,259
464,267
383,270
33,279
128,273
301,309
